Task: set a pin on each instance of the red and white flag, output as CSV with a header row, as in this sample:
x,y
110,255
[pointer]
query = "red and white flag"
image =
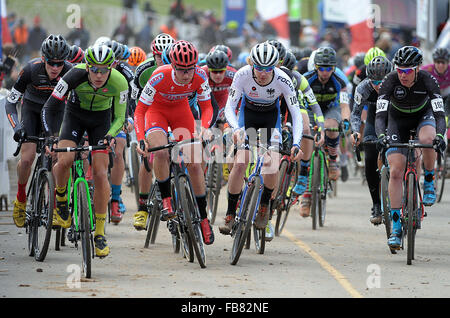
x,y
359,21
276,13
6,35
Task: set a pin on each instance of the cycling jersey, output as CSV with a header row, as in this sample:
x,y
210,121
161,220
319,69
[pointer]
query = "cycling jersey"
x,y
35,87
442,79
405,103
263,99
220,90
332,93
365,96
165,96
82,96
142,74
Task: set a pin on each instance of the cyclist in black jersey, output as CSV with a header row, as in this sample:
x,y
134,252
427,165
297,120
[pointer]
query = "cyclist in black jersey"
x,y
34,85
366,95
409,99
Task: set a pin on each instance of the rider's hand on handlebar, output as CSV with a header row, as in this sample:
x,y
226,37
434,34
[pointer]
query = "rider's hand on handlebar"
x,y
382,142
321,140
355,139
143,146
19,134
440,143
296,153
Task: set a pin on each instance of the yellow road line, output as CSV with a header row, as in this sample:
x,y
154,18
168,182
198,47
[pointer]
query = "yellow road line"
x,y
325,265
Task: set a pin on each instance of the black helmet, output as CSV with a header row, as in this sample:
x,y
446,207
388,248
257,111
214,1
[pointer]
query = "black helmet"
x,y
358,59
306,52
217,60
297,52
76,54
408,56
55,47
325,56
378,68
441,53
280,48
117,48
290,61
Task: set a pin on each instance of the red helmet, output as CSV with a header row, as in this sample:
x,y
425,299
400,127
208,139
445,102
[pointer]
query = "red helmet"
x,y
184,54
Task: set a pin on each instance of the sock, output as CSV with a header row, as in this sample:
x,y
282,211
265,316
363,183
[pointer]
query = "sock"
x,y
332,144
100,220
115,192
265,197
61,193
164,188
429,175
396,224
21,192
143,201
232,203
201,202
304,167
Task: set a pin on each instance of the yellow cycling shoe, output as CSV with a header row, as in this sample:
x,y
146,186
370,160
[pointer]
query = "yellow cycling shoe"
x,y
58,219
140,220
225,171
101,248
19,214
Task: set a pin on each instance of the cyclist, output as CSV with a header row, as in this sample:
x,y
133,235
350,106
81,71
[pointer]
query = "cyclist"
x,y
137,56
330,90
409,99
164,103
34,85
96,93
260,85
366,95
158,45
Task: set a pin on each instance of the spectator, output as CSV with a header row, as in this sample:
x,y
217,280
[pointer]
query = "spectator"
x,y
36,37
191,16
20,38
79,36
123,33
145,36
170,28
148,9
177,9
12,22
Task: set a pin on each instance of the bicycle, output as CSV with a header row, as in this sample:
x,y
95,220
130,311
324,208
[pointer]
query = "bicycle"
x,y
442,166
413,210
213,179
40,194
248,209
187,221
80,206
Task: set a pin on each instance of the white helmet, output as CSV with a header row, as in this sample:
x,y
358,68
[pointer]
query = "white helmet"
x,y
161,42
264,54
102,40
311,61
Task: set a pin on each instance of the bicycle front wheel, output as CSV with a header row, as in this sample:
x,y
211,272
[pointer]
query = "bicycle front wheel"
x,y
411,217
213,184
134,163
153,219
44,214
279,202
192,219
315,191
84,228
440,173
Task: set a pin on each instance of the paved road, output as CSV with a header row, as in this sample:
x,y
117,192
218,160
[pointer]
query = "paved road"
x,y
347,258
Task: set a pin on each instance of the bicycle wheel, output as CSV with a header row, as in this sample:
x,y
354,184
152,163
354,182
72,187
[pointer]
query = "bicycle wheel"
x,y
440,173
44,214
175,233
192,219
243,225
279,201
84,228
259,235
411,211
134,162
322,203
213,186
315,191
153,219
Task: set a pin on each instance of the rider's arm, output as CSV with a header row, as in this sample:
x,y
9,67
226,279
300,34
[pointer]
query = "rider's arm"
x,y
437,103
234,96
290,97
14,96
344,102
358,104
145,100
382,107
204,101
312,102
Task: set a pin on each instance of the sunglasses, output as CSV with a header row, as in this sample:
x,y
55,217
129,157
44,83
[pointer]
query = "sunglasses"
x,y
376,83
185,70
406,71
101,70
266,69
217,71
440,62
54,63
325,68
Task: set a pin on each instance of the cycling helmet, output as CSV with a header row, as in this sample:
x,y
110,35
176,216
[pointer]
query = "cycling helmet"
x,y
306,53
378,68
408,56
358,59
99,55
126,52
289,61
217,60
102,40
373,52
265,55
55,47
161,42
325,56
137,56
165,55
76,54
223,48
183,54
297,52
441,53
280,47
117,49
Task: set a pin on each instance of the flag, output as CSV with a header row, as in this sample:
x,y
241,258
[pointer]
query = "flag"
x,y
358,19
5,34
276,13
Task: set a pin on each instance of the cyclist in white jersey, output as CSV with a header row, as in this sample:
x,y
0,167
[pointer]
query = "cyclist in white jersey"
x,y
258,87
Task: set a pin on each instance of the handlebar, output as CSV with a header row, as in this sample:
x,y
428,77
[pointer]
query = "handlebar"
x,y
32,139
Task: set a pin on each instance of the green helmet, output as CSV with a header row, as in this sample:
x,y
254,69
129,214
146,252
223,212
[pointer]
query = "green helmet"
x,y
373,52
100,55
